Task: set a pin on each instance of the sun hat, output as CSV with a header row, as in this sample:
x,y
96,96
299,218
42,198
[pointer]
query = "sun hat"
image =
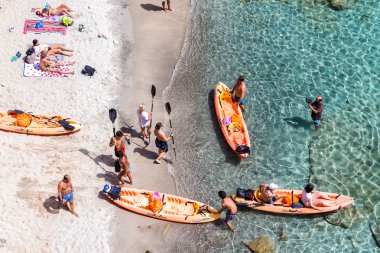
x,y
272,186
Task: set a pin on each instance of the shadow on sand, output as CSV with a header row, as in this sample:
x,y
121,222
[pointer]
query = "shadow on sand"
x,y
151,7
229,154
52,205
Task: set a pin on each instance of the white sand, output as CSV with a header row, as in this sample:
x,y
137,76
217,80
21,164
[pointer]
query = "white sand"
x,y
32,166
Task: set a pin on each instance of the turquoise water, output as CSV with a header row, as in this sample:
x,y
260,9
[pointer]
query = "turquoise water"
x,y
287,50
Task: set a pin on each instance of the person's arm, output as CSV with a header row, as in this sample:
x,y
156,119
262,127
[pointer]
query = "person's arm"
x,y
312,108
112,142
222,209
72,187
59,192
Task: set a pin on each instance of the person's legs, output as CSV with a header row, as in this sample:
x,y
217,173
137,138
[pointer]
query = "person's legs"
x,y
161,154
67,13
54,51
63,72
63,6
61,63
320,195
125,172
227,220
143,134
163,5
169,8
72,209
61,48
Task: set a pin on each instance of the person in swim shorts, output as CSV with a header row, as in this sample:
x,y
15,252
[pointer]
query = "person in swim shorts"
x,y
65,193
120,152
238,92
231,209
316,111
161,142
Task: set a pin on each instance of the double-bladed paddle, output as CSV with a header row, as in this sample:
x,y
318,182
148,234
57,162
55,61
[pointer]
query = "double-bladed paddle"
x,y
153,92
169,110
113,115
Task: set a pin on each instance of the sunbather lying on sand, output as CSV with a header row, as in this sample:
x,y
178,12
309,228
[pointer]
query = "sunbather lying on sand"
x,y
50,50
49,66
61,9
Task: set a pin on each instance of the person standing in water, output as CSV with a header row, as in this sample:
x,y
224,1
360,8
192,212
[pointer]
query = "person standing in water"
x,y
238,92
120,152
229,205
161,142
65,193
316,111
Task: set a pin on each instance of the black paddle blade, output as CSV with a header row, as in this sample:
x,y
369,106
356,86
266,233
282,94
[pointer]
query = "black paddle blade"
x,y
168,108
66,125
113,114
15,111
153,91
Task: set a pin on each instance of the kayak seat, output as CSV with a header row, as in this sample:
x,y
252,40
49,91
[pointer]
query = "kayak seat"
x,y
225,95
234,127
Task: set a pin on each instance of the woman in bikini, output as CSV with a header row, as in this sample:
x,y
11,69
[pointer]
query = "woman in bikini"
x,y
52,49
161,141
61,9
120,150
49,66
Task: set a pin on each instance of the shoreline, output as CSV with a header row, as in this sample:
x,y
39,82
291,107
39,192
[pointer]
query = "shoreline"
x,y
152,62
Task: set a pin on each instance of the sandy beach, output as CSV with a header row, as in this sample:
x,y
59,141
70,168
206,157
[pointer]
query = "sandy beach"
x,y
132,45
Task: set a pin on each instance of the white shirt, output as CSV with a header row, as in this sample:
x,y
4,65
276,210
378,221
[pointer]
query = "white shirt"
x,y
38,49
143,118
306,198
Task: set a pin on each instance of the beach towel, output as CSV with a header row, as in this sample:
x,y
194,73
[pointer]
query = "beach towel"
x,y
51,18
48,27
34,70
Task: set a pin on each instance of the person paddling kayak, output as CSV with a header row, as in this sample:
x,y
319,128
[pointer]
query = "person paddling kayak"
x,y
238,92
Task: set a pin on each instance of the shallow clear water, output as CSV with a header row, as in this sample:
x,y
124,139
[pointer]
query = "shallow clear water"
x,y
287,50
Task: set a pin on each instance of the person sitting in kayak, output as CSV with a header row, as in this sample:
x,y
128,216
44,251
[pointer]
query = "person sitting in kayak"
x,y
50,11
313,200
267,194
120,152
238,92
161,142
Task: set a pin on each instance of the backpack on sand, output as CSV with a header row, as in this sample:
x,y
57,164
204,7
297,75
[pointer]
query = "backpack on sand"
x,y
88,70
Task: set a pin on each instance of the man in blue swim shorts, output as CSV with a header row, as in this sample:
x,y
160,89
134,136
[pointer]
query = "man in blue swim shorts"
x,y
229,205
65,193
316,111
238,92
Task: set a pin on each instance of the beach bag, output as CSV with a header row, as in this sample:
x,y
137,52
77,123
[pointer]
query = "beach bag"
x,y
31,56
114,192
242,149
66,21
88,70
156,205
117,166
246,194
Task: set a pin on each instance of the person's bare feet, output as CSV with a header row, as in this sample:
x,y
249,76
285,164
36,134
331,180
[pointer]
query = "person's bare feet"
x,y
157,161
170,9
75,213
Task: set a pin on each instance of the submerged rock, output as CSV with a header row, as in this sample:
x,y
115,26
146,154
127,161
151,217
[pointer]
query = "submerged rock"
x,y
283,234
375,231
262,244
338,4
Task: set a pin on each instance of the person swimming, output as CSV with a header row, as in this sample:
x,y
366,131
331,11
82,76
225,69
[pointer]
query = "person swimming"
x,y
50,11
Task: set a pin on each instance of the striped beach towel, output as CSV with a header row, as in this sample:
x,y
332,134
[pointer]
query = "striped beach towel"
x,y
48,27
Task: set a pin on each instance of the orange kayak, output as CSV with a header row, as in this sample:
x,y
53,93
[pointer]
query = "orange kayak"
x,y
161,205
283,205
36,124
231,121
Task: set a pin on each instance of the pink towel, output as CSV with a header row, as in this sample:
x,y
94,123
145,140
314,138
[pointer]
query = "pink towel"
x,y
49,27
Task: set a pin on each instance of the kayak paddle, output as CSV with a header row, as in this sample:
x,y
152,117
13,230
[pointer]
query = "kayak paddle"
x,y
113,115
169,110
153,92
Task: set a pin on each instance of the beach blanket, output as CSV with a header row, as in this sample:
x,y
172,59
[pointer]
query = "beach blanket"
x,y
34,70
49,27
51,18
